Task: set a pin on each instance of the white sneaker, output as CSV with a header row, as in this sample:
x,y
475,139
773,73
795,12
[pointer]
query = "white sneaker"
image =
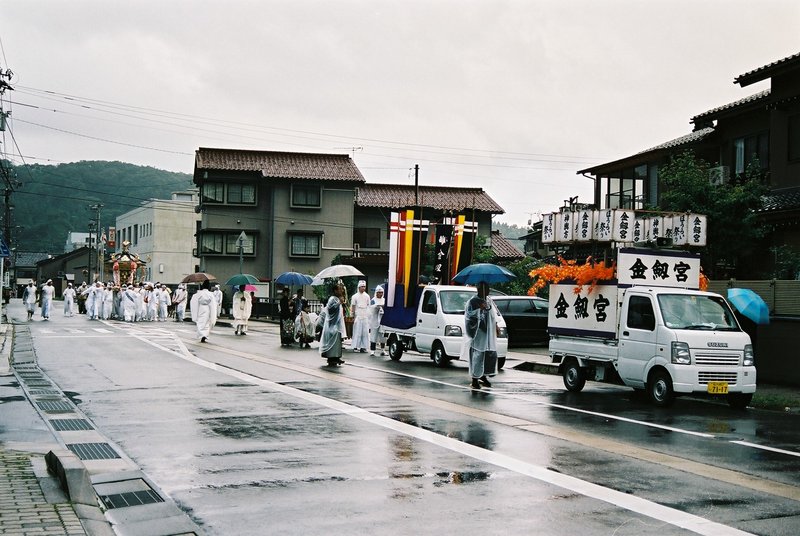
x,y
383,353
372,353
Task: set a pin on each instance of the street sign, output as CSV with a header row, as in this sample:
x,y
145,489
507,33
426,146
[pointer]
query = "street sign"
x,y
4,251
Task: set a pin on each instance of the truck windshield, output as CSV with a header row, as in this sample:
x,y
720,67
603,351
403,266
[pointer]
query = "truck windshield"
x,y
455,301
687,311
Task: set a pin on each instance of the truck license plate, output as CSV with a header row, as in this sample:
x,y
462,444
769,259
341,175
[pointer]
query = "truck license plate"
x,y
718,388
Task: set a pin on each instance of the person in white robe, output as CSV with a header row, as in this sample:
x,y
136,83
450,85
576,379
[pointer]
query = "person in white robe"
x,y
129,298
333,328
141,309
218,296
242,306
94,300
304,326
164,301
359,308
69,300
107,306
153,295
481,327
376,336
179,301
48,292
204,311
29,298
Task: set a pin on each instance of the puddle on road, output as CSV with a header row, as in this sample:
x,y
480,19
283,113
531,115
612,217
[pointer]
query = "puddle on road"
x,y
73,396
16,398
461,477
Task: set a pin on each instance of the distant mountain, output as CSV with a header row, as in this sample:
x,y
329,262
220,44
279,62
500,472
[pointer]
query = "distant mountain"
x,y
509,231
54,200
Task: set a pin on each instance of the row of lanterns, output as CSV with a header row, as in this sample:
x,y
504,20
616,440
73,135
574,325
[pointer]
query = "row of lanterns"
x,y
624,226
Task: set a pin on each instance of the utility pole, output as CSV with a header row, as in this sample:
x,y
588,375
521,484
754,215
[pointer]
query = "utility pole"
x,y
100,252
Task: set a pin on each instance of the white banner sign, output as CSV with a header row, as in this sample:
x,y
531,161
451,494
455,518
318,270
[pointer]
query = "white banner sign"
x,y
590,314
658,268
584,226
548,228
623,226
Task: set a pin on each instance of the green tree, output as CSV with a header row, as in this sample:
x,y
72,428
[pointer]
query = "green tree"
x,y
733,228
523,282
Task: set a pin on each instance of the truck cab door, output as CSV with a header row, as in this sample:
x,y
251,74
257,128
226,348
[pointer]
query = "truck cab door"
x,y
427,320
637,340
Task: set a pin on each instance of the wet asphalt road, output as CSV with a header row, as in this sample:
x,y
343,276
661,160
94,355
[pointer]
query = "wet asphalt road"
x,y
251,438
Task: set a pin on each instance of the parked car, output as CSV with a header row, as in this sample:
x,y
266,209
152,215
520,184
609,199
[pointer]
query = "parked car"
x,y
526,318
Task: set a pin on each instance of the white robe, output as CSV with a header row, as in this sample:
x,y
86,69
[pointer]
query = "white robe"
x,y
108,304
481,327
29,298
48,291
333,329
242,306
179,300
69,301
129,298
164,301
359,306
204,312
375,314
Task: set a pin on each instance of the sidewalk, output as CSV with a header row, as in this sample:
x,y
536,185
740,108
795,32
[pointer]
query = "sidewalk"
x,y
31,500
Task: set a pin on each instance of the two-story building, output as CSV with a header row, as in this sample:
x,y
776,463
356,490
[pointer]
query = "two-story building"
x,y
295,209
764,125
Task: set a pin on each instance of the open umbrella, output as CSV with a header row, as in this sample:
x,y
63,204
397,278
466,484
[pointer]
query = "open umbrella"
x,y
338,270
242,279
250,288
198,277
749,304
483,272
293,279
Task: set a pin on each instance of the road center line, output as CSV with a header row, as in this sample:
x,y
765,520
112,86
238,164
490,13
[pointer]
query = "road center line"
x,y
764,447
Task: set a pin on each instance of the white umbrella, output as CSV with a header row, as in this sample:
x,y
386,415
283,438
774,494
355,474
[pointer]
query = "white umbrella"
x,y
337,270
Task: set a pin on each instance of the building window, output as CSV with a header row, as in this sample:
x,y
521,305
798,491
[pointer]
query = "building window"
x,y
222,243
232,244
749,148
794,137
211,243
213,192
307,196
304,245
367,237
241,194
134,234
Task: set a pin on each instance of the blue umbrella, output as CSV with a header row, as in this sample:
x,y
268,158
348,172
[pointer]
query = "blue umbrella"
x,y
483,272
292,279
749,304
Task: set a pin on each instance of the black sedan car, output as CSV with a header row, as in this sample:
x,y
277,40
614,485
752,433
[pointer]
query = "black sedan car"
x,y
526,319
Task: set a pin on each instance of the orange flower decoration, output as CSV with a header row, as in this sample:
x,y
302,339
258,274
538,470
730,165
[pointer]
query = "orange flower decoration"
x,y
589,273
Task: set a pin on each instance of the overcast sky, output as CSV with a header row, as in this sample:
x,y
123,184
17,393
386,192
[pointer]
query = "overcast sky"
x,y
511,96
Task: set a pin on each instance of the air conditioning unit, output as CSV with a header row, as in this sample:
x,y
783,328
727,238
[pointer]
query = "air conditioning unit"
x,y
719,175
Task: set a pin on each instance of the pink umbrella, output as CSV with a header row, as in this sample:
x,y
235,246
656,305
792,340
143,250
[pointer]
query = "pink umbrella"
x,y
250,288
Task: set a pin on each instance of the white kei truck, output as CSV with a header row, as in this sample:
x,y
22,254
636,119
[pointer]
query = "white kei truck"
x,y
435,325
652,329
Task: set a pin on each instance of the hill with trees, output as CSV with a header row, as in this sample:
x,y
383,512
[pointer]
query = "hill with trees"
x,y
53,200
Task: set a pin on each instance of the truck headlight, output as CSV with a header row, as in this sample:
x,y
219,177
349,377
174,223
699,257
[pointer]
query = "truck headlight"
x,y
452,331
681,354
749,356
502,333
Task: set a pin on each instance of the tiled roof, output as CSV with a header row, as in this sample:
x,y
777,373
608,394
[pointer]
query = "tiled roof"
x,y
692,137
756,75
756,97
783,199
396,196
30,258
503,248
280,165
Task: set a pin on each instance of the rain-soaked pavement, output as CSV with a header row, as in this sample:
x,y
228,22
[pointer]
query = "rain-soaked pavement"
x,y
248,437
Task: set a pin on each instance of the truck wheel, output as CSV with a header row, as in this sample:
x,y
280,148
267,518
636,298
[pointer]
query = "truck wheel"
x,y
739,400
574,376
659,388
440,358
501,362
395,349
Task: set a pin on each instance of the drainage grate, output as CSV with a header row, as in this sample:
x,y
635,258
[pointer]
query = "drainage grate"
x,y
39,392
54,406
65,425
132,498
37,383
93,451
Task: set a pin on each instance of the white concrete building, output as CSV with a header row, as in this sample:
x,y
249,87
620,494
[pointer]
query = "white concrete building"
x,y
161,232
77,240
